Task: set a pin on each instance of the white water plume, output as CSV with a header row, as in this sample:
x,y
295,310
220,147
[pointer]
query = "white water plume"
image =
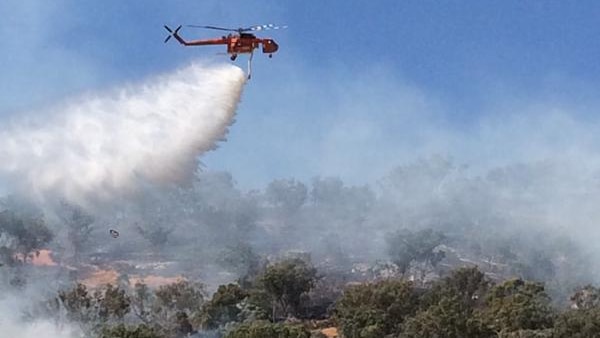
x,y
99,146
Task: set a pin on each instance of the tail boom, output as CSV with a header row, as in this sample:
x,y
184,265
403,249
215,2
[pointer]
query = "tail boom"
x,y
175,34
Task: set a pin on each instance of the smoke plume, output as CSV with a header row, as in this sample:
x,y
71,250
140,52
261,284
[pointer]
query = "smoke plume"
x,y
12,325
98,146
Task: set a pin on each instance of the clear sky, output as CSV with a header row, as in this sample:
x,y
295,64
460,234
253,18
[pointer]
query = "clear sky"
x,y
357,86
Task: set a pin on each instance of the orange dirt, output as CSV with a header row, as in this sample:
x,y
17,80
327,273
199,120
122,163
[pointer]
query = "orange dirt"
x,y
100,278
43,259
330,332
154,281
38,258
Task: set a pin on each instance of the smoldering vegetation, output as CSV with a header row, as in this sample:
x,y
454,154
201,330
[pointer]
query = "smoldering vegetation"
x,y
418,223
512,221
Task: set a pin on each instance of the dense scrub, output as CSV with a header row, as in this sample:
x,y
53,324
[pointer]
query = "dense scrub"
x,y
465,304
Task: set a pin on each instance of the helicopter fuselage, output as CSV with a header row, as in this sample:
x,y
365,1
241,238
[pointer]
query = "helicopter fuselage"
x,y
240,43
243,43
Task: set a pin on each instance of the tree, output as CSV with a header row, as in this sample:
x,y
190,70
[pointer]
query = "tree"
x,y
173,300
332,196
285,199
183,327
169,309
517,305
375,310
181,296
141,302
468,285
157,235
24,235
286,281
447,308
584,319
584,323
546,333
157,213
79,226
587,297
288,195
264,329
425,176
327,191
406,247
123,331
224,306
112,302
451,317
78,302
93,310
242,260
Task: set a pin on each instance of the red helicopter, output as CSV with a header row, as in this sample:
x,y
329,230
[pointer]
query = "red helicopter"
x,y
241,43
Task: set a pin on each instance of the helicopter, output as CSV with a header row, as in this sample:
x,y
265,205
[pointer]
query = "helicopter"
x,y
241,41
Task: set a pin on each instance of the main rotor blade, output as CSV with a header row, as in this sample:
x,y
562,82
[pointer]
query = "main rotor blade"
x,y
167,28
264,27
214,27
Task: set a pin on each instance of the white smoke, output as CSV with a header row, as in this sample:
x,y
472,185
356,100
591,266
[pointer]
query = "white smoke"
x,y
14,325
96,147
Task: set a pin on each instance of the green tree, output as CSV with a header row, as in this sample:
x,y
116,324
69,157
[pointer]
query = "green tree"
x,y
78,303
183,327
175,302
517,305
79,226
92,310
584,319
451,317
141,302
26,235
180,296
468,285
242,260
546,333
286,281
375,310
112,302
447,308
405,247
224,306
578,324
123,331
287,195
265,329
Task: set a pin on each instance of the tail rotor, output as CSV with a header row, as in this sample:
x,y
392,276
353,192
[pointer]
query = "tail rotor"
x,y
172,33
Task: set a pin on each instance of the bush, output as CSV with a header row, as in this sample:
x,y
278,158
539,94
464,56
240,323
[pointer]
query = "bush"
x,y
264,329
122,331
374,310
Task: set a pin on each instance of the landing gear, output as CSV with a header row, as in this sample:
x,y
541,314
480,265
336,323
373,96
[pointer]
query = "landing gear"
x,y
233,57
270,56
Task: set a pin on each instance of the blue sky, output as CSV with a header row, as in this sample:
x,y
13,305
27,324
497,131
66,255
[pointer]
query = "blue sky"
x,y
356,88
